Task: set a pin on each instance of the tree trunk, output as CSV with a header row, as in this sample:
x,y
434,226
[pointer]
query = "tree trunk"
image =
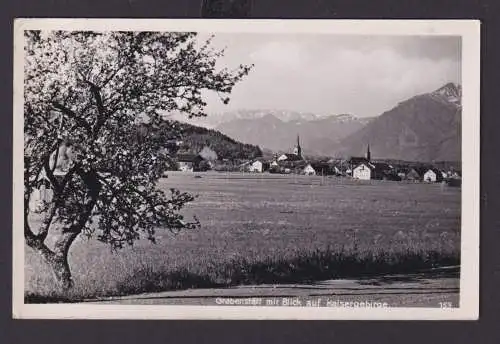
x,y
59,262
61,272
57,259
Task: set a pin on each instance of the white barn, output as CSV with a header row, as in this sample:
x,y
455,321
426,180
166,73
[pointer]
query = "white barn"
x,y
309,170
362,171
256,166
430,176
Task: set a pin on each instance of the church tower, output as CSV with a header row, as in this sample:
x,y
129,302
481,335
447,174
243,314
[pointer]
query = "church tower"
x,y
297,150
368,154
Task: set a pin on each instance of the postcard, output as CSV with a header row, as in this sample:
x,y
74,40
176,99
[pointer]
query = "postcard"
x,y
246,169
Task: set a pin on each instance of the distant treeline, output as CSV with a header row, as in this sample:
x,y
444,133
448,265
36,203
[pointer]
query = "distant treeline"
x,y
193,139
441,165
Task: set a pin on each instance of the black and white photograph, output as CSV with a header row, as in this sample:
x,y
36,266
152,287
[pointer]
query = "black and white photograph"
x,y
266,169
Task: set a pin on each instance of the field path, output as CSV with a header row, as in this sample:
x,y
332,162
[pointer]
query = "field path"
x,y
427,289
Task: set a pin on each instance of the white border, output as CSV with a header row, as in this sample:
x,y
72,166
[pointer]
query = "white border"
x,y
469,281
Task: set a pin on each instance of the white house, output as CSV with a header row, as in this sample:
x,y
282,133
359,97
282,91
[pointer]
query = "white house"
x,y
185,166
362,171
309,170
274,164
289,157
430,176
453,174
282,157
256,166
433,175
189,162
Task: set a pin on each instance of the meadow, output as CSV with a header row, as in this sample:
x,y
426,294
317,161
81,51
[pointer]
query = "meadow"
x,y
271,229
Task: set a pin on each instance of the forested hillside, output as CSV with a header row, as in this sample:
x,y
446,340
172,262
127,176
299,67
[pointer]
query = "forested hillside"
x,y
193,139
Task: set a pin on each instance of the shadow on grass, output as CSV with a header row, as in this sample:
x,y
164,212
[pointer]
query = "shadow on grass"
x,y
149,281
36,298
422,276
302,267
330,264
145,280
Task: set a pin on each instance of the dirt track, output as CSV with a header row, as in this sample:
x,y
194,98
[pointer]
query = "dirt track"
x,y
436,288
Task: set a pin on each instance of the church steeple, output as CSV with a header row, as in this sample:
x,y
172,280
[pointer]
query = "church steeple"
x,y
298,150
368,154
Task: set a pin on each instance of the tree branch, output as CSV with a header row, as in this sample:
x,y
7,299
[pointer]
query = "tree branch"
x,y
42,234
116,194
56,157
96,92
50,174
44,231
91,180
102,115
33,241
73,115
113,74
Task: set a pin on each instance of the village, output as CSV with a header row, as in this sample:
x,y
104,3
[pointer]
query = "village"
x,y
355,167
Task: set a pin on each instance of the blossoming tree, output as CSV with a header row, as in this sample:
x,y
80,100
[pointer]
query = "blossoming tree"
x,y
87,91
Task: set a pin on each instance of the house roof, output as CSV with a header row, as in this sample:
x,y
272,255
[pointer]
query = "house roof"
x,y
435,170
411,171
366,164
376,166
381,166
320,165
291,156
403,169
356,160
187,157
421,170
337,163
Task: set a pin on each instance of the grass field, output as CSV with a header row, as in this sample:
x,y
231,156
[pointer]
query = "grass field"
x,y
273,224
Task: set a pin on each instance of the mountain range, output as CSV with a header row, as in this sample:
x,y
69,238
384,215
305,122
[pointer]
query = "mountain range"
x,y
318,135
426,127
216,119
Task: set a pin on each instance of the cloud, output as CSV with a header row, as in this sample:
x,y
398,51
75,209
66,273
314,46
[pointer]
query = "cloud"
x,y
326,74
279,55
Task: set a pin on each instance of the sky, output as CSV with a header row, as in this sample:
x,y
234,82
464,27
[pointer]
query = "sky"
x,y
330,74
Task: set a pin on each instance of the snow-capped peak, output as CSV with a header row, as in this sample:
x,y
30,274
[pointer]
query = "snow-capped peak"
x,y
452,92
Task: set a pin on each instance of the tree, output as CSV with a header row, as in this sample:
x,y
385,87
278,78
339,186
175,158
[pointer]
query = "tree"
x,y
86,93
